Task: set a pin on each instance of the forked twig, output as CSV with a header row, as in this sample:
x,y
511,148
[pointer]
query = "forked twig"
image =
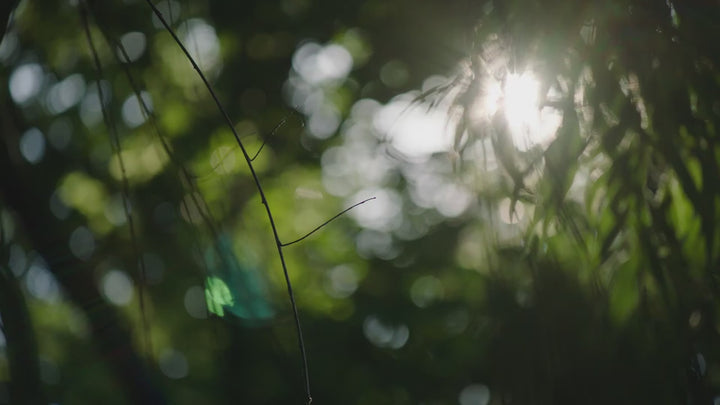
x,y
258,186
328,221
274,131
116,147
278,126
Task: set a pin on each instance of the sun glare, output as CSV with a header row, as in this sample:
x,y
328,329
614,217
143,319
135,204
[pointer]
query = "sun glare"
x,y
519,99
417,132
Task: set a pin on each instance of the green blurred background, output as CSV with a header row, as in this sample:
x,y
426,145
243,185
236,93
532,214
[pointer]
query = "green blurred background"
x,y
544,230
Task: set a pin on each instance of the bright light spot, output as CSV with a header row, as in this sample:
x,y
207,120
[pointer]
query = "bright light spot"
x,y
433,82
142,163
383,335
202,43
428,189
376,244
360,162
312,87
296,92
117,287
65,94
134,45
223,160
364,109
475,394
173,364
40,283
132,111
26,82
412,129
318,64
519,99
491,101
415,227
32,145
342,281
90,109
383,214
520,105
83,193
324,121
452,200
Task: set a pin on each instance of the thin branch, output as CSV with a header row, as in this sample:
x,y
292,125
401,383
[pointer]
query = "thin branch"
x,y
115,144
328,221
221,162
185,175
274,131
278,126
258,186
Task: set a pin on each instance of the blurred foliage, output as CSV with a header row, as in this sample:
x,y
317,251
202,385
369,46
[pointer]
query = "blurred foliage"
x,y
577,268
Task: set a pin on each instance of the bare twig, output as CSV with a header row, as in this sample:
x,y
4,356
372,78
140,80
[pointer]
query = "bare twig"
x,y
328,221
115,144
278,126
185,176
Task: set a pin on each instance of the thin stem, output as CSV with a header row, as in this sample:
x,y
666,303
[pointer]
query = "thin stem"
x,y
185,176
258,186
115,144
328,221
278,126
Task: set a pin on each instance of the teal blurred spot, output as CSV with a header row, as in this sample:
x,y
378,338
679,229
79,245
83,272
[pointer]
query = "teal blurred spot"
x,y
232,287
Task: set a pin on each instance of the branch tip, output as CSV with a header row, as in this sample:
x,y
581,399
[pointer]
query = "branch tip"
x,y
327,222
